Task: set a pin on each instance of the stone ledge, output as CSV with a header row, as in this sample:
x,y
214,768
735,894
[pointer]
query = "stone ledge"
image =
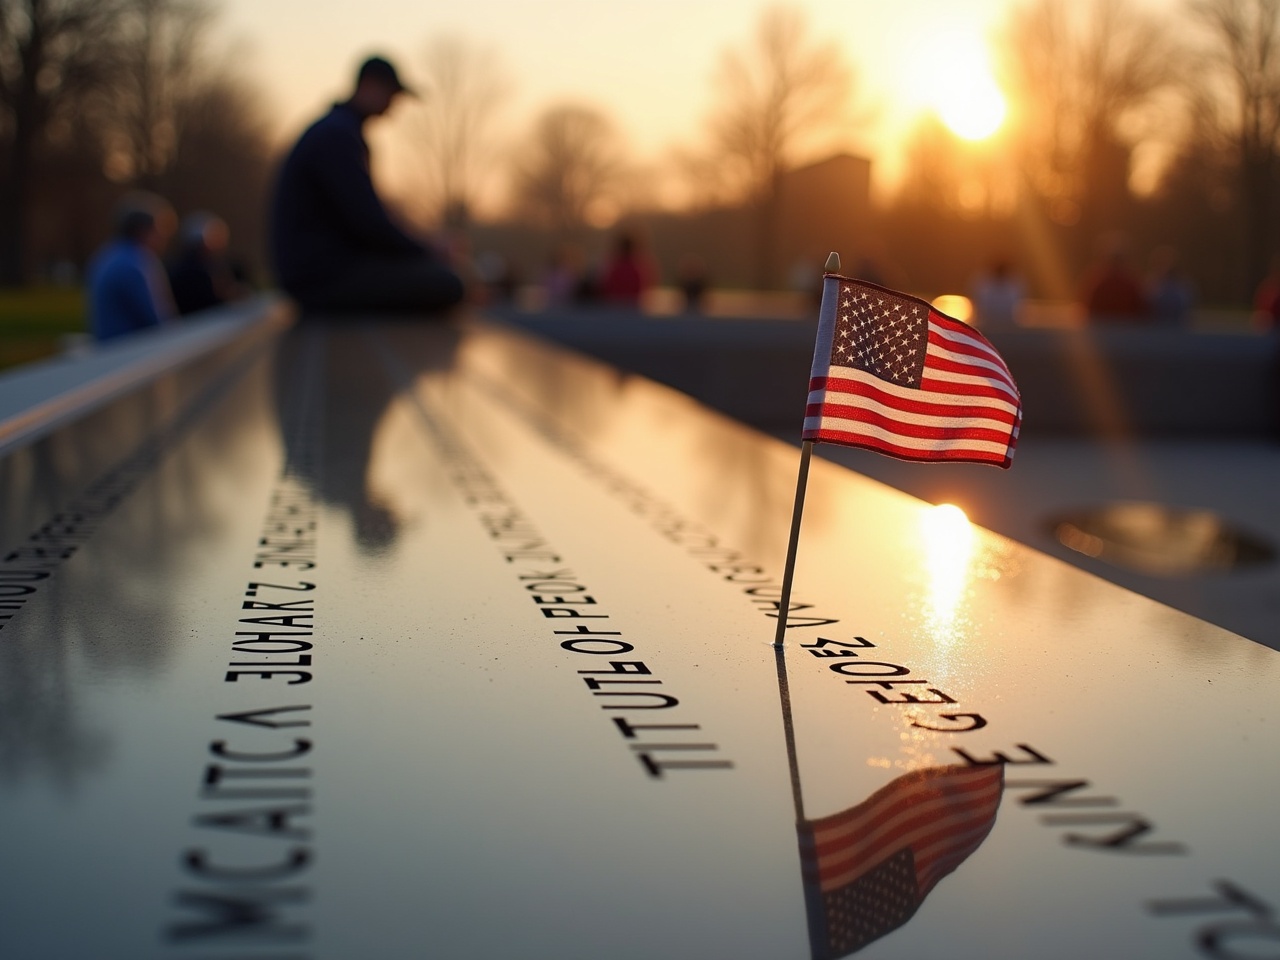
x,y
36,397
1091,382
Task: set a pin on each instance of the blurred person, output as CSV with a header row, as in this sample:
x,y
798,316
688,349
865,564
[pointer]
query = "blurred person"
x,y
997,294
128,289
628,273
1266,299
564,273
502,277
1169,294
1111,290
200,274
694,282
334,246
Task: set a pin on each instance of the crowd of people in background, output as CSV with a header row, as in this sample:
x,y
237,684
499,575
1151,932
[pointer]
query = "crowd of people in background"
x,y
1114,292
155,270
337,249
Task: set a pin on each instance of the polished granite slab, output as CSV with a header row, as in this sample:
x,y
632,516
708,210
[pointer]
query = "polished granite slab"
x,y
408,640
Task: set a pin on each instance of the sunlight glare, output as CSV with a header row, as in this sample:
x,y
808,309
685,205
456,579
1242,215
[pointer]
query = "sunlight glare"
x,y
960,85
949,543
955,306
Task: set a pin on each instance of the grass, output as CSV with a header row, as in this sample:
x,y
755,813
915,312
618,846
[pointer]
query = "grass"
x,y
34,320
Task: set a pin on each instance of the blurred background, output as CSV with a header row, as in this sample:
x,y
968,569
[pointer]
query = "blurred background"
x,y
937,144
1043,168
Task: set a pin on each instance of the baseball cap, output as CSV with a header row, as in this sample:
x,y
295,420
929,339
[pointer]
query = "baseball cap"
x,y
380,68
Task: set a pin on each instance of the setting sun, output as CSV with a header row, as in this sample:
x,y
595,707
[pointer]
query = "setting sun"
x,y
973,109
959,84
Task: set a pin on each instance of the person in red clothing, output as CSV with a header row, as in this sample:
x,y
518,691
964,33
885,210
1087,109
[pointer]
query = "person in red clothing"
x,y
1112,292
628,274
1266,299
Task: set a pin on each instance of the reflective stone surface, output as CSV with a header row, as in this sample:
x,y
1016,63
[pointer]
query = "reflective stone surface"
x,y
1161,540
403,641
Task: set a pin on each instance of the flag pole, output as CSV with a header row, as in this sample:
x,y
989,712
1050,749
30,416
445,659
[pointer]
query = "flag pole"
x,y
788,571
802,481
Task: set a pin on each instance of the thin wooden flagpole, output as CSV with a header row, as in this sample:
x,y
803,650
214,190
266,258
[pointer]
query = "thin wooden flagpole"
x,y
825,318
802,481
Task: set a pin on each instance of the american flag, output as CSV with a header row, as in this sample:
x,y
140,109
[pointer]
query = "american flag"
x,y
868,869
892,374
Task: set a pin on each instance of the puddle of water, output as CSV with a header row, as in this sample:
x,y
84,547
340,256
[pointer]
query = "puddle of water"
x,y
1160,540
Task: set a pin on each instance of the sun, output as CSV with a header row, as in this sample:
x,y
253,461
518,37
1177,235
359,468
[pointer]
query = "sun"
x,y
972,108
959,85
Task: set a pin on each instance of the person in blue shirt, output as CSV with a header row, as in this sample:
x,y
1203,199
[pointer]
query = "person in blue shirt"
x,y
335,248
128,289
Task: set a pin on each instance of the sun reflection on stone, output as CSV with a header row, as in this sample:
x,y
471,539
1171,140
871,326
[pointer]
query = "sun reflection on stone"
x,y
949,543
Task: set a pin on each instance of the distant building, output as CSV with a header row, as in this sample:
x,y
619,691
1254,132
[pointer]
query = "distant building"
x,y
825,206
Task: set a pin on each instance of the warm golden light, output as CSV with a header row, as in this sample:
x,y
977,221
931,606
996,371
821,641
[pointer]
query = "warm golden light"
x,y
960,85
973,109
948,547
954,306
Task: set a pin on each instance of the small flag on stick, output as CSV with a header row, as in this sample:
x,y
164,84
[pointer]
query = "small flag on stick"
x,y
892,374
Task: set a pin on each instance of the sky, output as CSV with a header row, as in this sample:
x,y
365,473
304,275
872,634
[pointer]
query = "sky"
x,y
648,63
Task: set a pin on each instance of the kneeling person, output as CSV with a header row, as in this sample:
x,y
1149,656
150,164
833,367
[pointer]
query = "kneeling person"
x,y
335,247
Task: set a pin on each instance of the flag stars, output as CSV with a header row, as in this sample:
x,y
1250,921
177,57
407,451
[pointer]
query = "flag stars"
x,y
879,334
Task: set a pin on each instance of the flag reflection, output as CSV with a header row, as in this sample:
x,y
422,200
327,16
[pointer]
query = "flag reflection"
x,y
868,869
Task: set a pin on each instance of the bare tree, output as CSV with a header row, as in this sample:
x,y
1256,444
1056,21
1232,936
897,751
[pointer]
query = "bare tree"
x,y
160,55
1244,52
466,87
1094,72
222,158
570,167
53,54
773,99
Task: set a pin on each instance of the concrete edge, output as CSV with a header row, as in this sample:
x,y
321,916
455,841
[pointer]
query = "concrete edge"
x,y
36,398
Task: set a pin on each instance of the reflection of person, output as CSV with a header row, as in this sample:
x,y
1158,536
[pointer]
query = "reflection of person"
x,y
128,289
200,274
360,373
1112,291
628,273
997,295
334,246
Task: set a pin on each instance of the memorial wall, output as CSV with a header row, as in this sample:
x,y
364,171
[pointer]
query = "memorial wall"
x,y
405,640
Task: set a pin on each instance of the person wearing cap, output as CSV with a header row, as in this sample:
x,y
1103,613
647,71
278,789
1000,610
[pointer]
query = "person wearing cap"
x,y
335,248
128,290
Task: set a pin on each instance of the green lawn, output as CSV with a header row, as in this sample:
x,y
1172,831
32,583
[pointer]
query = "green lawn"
x,y
34,320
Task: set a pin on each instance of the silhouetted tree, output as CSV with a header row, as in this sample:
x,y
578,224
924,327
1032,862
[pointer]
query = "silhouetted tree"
x,y
773,99
53,55
221,160
466,88
570,166
1091,73
160,47
1197,203
1244,50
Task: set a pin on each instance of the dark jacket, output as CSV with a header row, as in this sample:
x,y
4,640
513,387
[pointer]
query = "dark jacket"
x,y
325,212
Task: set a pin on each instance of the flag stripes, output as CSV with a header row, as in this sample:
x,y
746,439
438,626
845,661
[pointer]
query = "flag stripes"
x,y
873,385
943,816
868,869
